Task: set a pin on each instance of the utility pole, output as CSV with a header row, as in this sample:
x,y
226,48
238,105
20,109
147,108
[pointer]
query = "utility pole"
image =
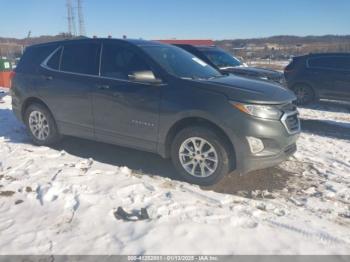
x,y
82,31
69,16
73,22
70,19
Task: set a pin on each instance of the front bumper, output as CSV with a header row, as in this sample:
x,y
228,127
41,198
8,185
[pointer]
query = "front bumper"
x,y
279,141
252,163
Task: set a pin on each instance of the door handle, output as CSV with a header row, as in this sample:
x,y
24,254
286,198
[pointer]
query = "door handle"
x,y
103,87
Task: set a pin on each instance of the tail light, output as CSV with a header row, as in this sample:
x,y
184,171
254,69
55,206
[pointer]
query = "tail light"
x,y
12,75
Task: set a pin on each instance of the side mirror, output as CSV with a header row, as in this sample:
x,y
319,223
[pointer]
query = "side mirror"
x,y
144,77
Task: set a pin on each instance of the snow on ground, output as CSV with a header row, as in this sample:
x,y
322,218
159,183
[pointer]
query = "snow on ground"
x,y
273,62
61,201
332,112
278,65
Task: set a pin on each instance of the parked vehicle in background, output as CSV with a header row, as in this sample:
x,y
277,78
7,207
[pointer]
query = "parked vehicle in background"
x,y
319,76
158,98
228,64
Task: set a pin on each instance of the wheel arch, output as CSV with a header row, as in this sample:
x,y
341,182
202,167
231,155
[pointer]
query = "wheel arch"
x,y
54,136
30,101
197,121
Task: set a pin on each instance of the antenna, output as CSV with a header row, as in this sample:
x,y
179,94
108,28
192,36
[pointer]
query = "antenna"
x,y
82,31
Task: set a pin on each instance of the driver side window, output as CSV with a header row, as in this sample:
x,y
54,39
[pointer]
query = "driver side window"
x,y
120,62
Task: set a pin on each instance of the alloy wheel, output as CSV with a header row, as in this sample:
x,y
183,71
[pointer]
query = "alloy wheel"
x,y
39,125
198,157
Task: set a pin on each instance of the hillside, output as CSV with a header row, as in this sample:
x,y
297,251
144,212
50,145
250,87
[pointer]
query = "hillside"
x,y
282,47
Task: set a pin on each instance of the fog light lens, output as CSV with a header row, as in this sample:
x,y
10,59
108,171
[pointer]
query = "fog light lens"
x,y
255,144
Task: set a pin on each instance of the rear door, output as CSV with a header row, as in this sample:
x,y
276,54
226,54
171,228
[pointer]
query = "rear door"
x,y
70,74
331,76
126,111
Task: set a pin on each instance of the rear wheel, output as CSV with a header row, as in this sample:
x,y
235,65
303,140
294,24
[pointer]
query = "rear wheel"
x,y
200,156
41,125
304,93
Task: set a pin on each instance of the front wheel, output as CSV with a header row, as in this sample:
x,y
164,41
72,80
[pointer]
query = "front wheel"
x,y
200,155
304,93
41,125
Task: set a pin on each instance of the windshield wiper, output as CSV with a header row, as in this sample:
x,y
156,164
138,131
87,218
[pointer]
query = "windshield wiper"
x,y
214,77
201,78
194,78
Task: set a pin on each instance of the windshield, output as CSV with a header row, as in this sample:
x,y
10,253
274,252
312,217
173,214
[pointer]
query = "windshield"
x,y
222,59
178,62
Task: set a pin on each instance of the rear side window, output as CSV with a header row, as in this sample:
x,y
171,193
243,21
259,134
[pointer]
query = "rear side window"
x,y
81,58
54,61
119,62
321,62
33,57
334,62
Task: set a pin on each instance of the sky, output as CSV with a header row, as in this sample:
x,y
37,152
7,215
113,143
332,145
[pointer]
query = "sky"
x,y
180,19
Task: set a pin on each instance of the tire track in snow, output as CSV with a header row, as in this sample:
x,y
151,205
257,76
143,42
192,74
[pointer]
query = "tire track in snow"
x,y
322,236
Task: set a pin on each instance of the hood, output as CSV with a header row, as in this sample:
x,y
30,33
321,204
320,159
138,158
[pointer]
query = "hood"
x,y
247,90
253,71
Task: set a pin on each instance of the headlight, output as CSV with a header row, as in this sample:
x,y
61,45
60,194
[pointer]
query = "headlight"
x,y
262,111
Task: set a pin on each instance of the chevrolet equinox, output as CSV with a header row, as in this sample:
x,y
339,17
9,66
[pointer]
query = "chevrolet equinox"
x,y
157,98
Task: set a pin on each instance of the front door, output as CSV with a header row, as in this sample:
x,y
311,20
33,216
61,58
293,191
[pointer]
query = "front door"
x,y
126,112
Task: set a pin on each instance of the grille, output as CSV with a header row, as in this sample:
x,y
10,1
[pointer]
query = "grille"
x,y
291,122
290,117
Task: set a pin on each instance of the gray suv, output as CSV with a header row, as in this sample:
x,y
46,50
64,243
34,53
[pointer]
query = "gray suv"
x,y
157,98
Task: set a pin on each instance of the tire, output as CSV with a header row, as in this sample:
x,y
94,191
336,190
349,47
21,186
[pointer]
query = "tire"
x,y
45,125
304,93
206,171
